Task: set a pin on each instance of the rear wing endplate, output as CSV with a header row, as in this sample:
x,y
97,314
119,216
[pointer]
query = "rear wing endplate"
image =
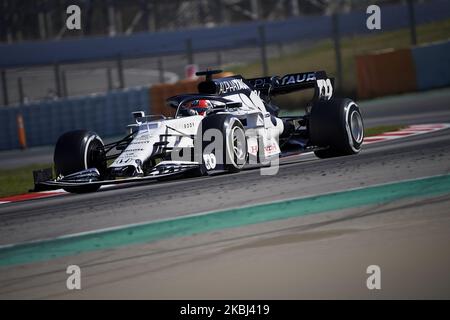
x,y
276,85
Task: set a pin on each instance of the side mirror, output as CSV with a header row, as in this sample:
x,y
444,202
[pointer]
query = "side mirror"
x,y
137,115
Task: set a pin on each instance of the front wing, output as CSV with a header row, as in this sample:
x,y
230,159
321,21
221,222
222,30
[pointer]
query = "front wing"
x,y
163,170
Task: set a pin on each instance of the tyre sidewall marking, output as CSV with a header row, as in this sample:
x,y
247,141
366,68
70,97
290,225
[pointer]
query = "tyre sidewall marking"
x,y
86,148
356,147
229,143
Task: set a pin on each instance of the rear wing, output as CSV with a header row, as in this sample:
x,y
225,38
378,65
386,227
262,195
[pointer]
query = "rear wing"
x,y
270,86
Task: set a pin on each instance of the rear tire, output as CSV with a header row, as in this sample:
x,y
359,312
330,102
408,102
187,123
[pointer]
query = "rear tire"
x,y
77,151
337,126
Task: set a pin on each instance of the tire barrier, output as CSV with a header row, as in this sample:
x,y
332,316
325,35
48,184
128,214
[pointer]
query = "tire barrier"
x,y
385,73
405,70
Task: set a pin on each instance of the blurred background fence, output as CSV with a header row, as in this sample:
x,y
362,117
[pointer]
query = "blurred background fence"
x,y
107,114
189,42
52,80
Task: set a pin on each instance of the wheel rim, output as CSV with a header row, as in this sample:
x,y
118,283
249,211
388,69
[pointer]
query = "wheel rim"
x,y
356,126
238,145
95,155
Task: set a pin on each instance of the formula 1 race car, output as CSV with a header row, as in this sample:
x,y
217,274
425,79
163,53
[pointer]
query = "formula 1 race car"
x,y
230,123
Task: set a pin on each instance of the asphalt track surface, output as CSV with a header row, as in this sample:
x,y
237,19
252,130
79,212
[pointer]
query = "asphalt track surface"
x,y
323,255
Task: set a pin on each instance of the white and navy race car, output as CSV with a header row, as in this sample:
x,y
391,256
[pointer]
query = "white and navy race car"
x,y
229,124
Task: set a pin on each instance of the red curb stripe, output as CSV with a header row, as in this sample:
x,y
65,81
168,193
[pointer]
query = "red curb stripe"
x,y
29,196
396,133
419,129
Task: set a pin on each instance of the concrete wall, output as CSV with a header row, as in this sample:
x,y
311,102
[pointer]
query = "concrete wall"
x,y
107,114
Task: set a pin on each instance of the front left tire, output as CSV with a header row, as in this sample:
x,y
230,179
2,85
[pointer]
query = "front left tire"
x,y
76,151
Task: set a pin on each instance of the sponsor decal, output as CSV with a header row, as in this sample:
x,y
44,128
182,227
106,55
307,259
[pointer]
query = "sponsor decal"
x,y
260,82
124,160
298,78
270,149
232,86
135,150
142,137
325,89
188,125
138,142
210,161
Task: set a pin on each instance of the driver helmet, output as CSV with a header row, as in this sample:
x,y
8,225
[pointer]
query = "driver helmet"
x,y
201,106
